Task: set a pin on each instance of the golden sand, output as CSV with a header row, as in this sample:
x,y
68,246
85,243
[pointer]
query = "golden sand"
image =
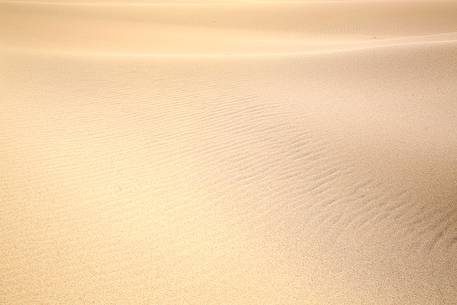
x,y
228,152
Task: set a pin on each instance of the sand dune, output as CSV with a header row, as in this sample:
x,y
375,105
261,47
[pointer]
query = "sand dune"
x,y
228,152
227,28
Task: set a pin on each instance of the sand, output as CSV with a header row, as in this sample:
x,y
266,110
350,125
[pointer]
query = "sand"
x,y
228,152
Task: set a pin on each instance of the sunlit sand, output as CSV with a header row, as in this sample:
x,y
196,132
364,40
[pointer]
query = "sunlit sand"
x,y
228,152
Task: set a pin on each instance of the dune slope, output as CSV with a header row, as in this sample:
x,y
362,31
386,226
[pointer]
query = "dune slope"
x,y
257,152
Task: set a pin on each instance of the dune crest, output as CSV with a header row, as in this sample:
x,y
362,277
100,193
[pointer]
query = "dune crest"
x,y
234,27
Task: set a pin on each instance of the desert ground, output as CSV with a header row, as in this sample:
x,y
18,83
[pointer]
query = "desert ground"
x,y
228,152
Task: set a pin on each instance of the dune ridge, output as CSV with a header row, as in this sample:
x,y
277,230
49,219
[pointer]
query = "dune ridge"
x,y
224,28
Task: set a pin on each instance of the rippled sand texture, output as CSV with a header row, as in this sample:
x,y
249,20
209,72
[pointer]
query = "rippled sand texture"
x,y
228,152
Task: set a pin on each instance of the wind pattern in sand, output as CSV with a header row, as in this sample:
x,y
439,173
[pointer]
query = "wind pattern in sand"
x,y
228,152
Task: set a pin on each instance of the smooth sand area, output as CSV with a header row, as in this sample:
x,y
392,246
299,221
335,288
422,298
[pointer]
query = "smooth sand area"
x,y
228,152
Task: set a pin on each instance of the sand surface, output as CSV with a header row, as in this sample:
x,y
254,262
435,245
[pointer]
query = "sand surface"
x,y
228,152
